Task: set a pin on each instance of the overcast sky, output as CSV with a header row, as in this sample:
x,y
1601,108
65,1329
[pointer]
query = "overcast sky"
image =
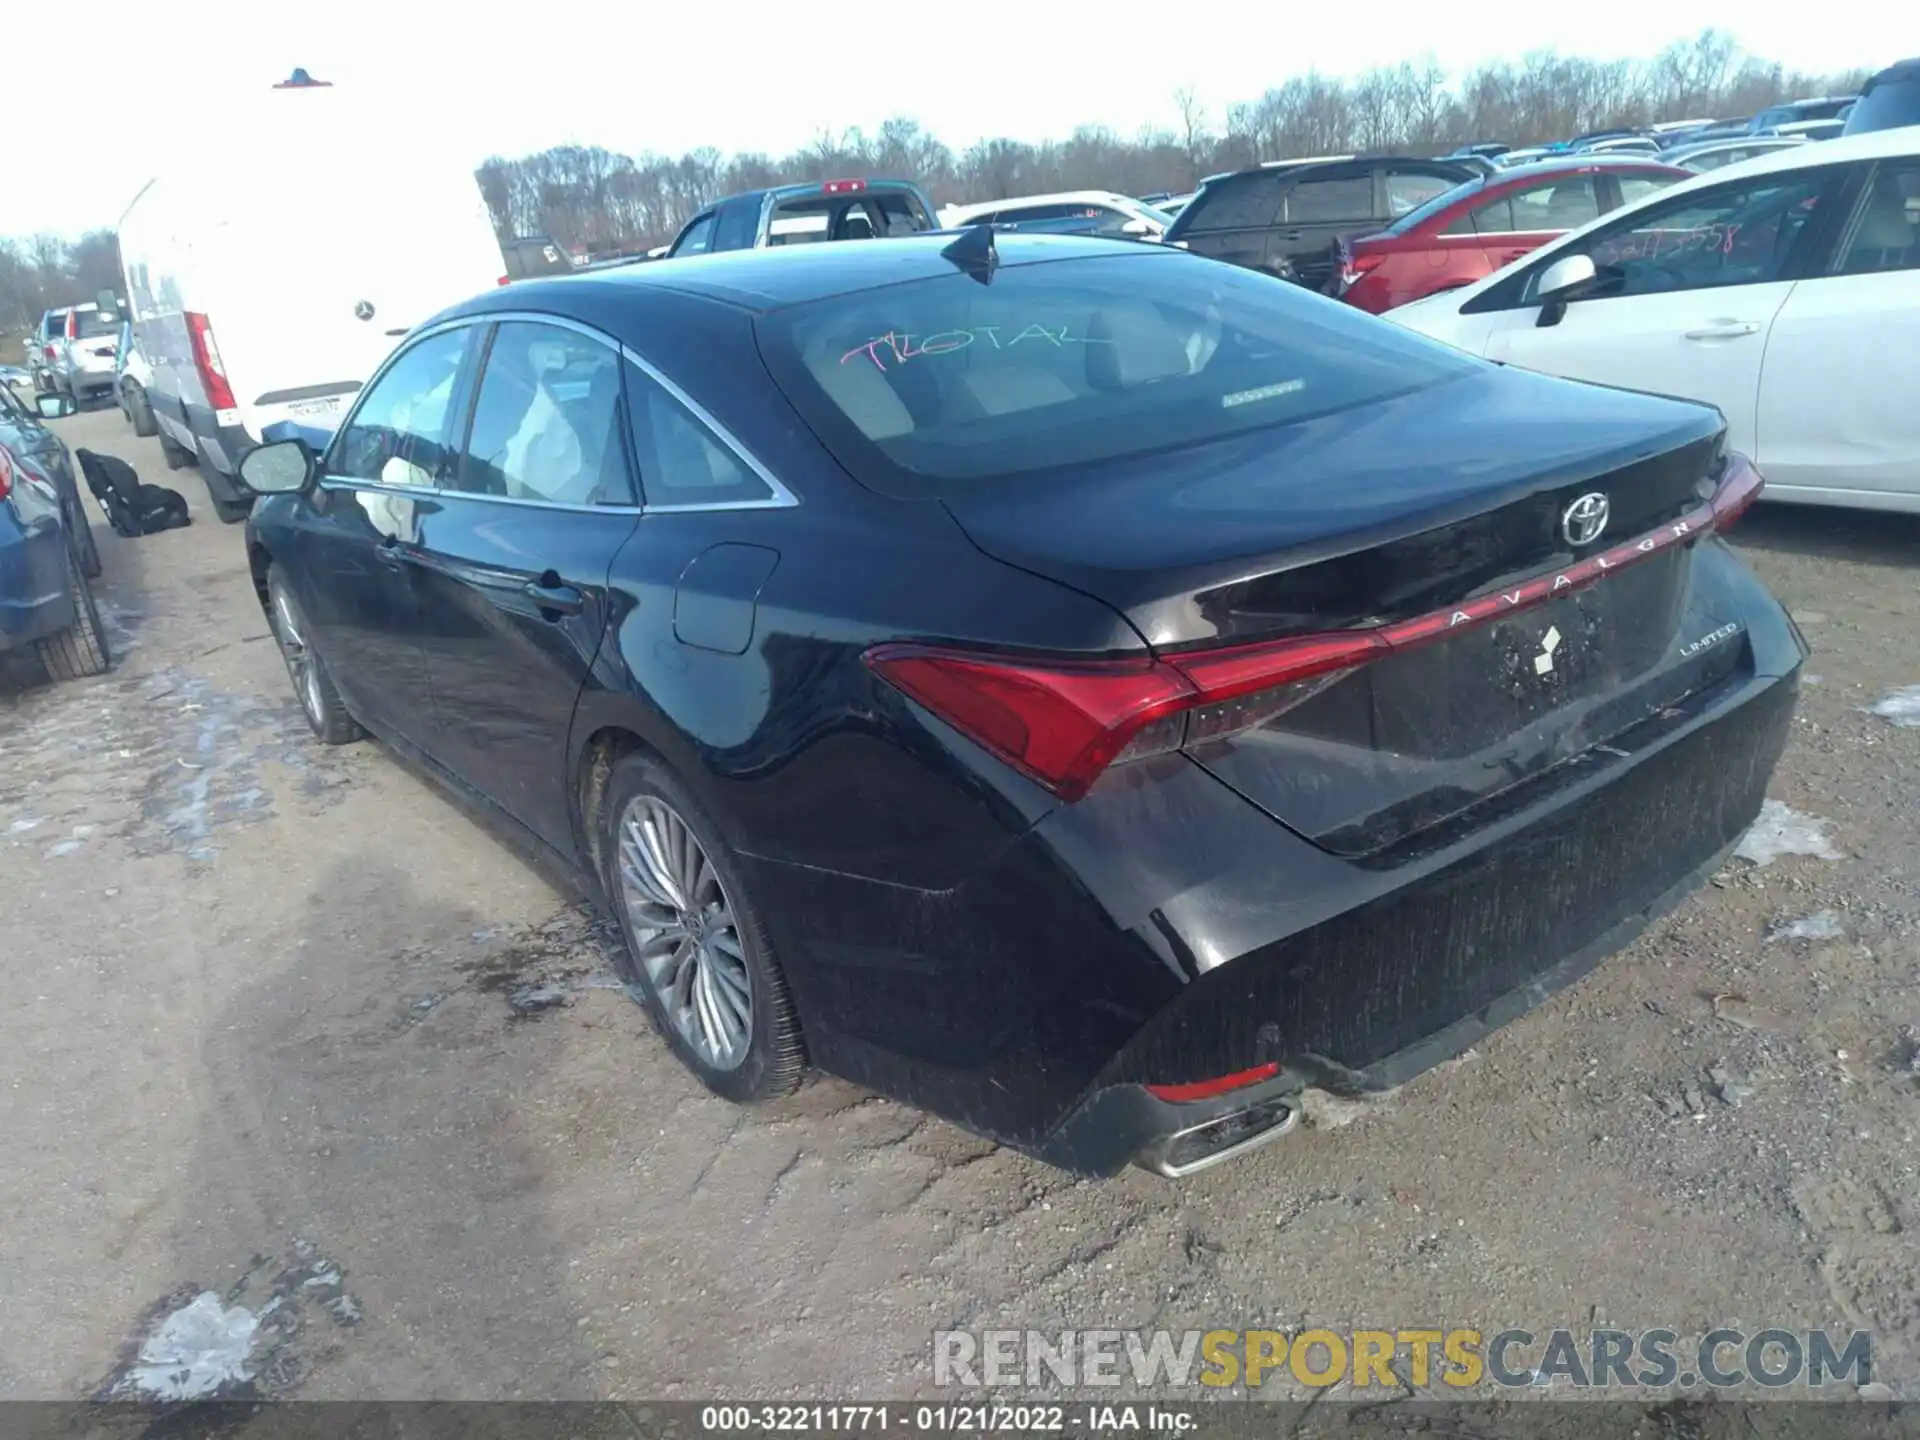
x,y
95,93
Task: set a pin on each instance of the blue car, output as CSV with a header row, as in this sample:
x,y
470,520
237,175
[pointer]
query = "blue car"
x,y
46,550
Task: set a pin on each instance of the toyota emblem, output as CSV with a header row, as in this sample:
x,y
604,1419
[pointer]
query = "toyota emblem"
x,y
363,310
1585,520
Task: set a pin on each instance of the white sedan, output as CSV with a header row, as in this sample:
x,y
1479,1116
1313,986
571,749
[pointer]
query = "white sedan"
x,y
1785,290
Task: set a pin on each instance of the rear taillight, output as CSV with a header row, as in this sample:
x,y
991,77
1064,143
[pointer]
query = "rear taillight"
x,y
843,187
206,359
1353,268
1064,722
504,280
73,326
1739,487
47,351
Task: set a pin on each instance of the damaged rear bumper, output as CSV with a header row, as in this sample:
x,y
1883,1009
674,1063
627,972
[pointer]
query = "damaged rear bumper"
x,y
1370,998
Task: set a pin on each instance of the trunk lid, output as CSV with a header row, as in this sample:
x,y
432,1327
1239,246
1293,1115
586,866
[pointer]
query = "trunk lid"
x,y
1397,514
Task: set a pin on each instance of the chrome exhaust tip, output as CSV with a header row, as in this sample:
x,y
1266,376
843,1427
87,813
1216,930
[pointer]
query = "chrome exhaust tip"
x,y
1222,1138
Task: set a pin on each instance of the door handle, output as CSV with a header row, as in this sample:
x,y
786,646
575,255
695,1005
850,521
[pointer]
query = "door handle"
x,y
387,552
1724,330
555,598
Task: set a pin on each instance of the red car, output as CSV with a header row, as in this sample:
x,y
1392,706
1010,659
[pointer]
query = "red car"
x,y
1473,229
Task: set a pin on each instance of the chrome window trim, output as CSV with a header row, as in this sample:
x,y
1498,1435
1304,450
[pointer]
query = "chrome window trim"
x,y
781,497
339,483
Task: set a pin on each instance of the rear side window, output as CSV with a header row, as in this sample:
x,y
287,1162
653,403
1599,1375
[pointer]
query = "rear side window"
x,y
682,461
1563,204
733,227
1887,236
941,383
1324,201
697,238
1408,192
1887,104
1638,187
1493,218
1245,202
546,420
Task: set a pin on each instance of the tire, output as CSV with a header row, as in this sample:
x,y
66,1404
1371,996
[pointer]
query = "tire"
x,y
144,425
178,457
694,990
81,649
83,538
126,404
312,686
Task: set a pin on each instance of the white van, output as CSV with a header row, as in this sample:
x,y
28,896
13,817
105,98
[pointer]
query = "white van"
x,y
269,286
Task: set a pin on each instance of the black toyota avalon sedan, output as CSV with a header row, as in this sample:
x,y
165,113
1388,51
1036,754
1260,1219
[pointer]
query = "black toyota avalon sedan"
x,y
1082,689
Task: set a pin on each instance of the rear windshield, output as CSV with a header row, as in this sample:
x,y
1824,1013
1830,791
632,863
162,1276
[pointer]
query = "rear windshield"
x,y
1887,105
93,324
939,384
1420,214
1239,202
869,216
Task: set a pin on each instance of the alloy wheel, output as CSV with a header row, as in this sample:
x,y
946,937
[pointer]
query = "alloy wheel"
x,y
685,935
300,664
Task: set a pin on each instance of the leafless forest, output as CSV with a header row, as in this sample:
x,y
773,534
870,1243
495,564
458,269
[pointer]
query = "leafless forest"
x,y
591,197
586,195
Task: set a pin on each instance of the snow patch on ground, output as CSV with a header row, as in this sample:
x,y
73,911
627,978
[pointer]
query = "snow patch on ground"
x,y
197,1351
1782,830
1902,707
1821,925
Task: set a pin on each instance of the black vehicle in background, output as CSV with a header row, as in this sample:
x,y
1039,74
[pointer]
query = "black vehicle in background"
x,y
531,255
1084,690
1799,112
1887,101
1288,220
804,214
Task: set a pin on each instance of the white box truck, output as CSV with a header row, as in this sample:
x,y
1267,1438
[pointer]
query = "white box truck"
x,y
269,285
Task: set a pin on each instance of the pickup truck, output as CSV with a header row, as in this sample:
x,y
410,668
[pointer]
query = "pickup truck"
x,y
75,353
804,214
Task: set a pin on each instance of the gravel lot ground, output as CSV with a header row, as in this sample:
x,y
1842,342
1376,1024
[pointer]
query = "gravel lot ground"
x,y
260,1036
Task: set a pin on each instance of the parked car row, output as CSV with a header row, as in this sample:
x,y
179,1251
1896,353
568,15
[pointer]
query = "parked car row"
x,y
1784,290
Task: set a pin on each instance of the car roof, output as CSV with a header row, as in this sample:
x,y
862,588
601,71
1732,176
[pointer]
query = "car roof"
x,y
807,187
1731,142
778,276
1568,164
1058,197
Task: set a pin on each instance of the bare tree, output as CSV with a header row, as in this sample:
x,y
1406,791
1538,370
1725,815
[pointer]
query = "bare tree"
x,y
1196,144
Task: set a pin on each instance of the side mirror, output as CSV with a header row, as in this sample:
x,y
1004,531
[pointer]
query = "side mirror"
x,y
54,407
1560,282
284,467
